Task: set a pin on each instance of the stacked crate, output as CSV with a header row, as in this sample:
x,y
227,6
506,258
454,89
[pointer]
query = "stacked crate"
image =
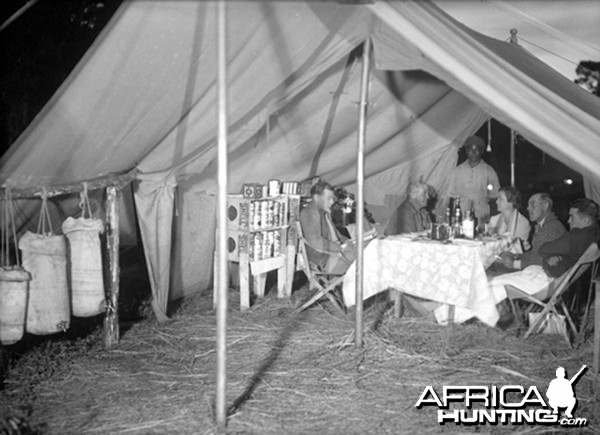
x,y
261,236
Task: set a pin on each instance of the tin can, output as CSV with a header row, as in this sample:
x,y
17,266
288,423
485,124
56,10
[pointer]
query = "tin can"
x,y
258,247
276,212
251,211
277,243
256,215
274,188
272,212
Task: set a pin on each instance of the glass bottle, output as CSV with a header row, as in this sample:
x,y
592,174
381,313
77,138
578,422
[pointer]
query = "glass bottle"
x,y
468,226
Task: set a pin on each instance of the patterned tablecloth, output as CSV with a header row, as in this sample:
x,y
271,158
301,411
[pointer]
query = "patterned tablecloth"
x,y
450,273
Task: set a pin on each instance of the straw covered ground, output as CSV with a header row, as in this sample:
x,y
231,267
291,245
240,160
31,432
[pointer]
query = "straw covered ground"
x,y
287,373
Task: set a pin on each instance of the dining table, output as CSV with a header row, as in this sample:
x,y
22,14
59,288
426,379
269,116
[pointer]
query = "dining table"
x,y
450,272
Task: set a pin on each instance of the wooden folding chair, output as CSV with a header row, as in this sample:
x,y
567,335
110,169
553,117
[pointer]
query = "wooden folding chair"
x,y
318,280
551,297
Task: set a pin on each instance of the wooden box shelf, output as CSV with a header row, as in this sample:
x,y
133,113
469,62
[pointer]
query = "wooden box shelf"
x,y
261,237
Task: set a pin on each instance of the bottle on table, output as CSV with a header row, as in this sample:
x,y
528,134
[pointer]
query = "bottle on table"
x,y
475,221
448,216
458,217
468,226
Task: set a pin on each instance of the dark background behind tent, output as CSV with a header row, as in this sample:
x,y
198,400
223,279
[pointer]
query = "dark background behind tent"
x,y
42,47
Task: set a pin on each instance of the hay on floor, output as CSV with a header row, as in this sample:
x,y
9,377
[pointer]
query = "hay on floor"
x,y
287,373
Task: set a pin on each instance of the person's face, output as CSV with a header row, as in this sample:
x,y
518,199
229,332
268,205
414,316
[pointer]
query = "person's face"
x,y
422,198
474,153
326,199
537,209
577,220
502,202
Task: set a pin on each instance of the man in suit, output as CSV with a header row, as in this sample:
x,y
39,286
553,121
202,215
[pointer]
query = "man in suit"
x,y
327,248
411,216
547,228
558,255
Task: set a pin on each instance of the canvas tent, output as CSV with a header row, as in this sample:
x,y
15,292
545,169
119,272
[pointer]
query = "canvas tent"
x,y
144,98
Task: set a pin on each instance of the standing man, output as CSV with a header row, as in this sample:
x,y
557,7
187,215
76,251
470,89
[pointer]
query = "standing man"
x,y
474,181
327,247
411,216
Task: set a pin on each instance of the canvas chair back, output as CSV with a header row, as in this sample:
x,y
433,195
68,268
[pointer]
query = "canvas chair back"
x,y
562,283
318,280
302,258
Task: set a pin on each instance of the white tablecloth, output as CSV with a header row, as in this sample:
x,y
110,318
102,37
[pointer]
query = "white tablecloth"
x,y
450,273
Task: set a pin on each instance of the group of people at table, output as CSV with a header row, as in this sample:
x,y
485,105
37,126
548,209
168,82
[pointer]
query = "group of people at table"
x,y
547,248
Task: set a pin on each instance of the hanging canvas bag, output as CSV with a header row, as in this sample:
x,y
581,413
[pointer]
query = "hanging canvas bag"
x,y
14,282
85,260
45,258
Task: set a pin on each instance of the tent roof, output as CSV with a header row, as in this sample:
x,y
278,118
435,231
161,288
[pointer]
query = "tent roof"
x,y
560,33
144,95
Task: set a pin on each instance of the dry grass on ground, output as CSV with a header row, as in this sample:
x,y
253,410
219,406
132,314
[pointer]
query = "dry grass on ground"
x,y
287,373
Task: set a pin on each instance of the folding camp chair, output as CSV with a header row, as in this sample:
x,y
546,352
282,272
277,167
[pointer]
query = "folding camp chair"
x,y
551,297
323,282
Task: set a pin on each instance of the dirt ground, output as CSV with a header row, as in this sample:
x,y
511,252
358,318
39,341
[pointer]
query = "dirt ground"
x,y
287,373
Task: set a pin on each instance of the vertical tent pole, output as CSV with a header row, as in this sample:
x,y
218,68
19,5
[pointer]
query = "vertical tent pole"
x,y
514,39
512,157
360,175
221,279
111,321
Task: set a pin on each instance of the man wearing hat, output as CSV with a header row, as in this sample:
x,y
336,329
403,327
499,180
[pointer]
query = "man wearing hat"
x,y
474,181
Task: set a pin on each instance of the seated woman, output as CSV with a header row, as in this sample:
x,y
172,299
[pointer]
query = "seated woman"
x,y
509,220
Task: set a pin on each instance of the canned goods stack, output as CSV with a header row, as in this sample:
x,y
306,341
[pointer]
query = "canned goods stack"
x,y
256,252
276,213
268,244
277,243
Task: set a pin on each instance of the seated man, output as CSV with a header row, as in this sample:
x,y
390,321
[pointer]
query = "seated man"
x,y
411,216
558,255
547,228
326,246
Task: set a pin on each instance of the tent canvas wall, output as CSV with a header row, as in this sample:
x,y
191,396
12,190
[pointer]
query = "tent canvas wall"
x,y
144,97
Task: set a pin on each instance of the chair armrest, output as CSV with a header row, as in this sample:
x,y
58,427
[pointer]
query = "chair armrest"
x,y
321,251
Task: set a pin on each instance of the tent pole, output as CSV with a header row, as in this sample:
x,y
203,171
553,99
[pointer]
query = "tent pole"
x,y
17,14
221,278
111,321
512,157
514,39
360,202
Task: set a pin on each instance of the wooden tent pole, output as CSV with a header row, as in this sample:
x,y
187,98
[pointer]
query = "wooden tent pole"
x,y
111,321
512,157
221,278
514,39
360,175
17,14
